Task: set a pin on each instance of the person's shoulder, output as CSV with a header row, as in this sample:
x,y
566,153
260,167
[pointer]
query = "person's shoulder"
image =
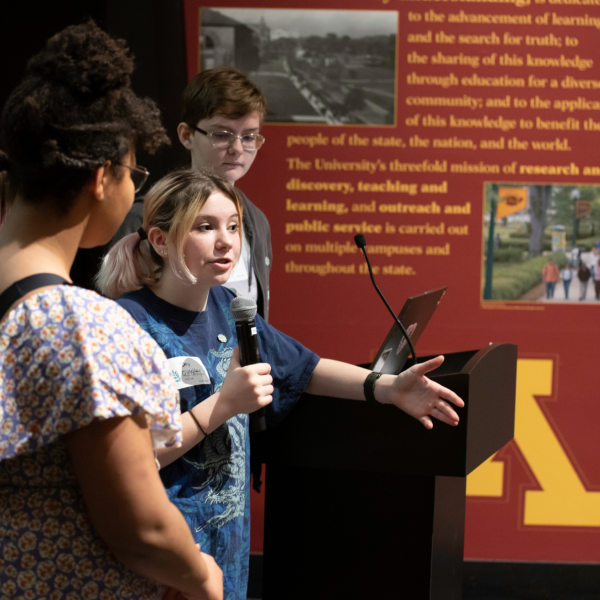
x,y
87,303
135,303
70,314
221,294
219,300
242,197
89,347
62,300
254,212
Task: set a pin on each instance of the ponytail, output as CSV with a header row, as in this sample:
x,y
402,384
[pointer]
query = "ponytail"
x,y
130,264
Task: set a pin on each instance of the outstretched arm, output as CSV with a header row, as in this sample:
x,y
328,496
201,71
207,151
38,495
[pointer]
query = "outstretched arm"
x,y
410,391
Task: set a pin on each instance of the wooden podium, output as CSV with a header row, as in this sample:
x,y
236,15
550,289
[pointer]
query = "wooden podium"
x,y
364,502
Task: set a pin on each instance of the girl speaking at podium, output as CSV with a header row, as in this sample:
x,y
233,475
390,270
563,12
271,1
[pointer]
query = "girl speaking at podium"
x,y
169,276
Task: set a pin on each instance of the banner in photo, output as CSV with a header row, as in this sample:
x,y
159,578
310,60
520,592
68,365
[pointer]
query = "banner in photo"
x,y
513,200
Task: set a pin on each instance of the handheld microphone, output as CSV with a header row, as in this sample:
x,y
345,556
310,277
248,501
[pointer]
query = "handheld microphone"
x,y
360,241
243,311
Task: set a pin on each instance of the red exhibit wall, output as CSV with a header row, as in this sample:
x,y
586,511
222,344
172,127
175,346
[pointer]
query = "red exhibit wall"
x,y
423,183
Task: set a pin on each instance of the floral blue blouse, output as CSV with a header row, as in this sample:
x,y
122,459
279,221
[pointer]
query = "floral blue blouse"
x,y
68,356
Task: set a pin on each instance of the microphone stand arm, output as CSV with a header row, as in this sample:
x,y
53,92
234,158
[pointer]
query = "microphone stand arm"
x,y
396,319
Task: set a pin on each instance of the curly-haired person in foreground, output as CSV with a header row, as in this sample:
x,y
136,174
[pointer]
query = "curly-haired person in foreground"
x,y
86,398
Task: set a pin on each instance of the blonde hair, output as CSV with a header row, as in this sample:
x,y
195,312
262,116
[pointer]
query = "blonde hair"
x,y
172,205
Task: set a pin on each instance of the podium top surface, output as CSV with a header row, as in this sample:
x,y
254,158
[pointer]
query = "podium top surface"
x,y
333,433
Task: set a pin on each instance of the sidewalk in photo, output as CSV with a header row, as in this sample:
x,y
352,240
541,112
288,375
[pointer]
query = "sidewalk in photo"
x,y
574,293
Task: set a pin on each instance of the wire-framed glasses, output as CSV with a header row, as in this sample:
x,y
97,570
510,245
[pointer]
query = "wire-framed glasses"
x,y
139,175
224,139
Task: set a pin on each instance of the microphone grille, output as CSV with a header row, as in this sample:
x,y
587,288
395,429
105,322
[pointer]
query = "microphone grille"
x,y
243,309
359,240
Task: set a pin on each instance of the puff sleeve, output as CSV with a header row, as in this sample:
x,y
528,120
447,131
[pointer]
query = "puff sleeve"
x,y
68,356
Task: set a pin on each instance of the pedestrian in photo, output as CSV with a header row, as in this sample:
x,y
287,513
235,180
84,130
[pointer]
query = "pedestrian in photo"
x,y
550,275
566,275
583,274
574,259
597,279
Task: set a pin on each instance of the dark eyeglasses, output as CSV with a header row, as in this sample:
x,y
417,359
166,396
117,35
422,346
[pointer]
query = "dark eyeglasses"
x,y
139,175
224,139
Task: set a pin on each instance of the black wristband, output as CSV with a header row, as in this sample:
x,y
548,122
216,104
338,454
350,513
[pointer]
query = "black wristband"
x,y
369,387
197,423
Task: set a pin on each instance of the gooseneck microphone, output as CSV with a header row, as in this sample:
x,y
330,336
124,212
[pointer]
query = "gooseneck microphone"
x,y
360,241
243,311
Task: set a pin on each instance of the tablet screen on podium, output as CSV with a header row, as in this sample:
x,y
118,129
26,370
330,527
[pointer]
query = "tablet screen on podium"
x,y
415,314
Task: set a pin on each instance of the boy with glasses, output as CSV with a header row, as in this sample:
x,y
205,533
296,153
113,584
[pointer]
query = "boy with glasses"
x,y
222,115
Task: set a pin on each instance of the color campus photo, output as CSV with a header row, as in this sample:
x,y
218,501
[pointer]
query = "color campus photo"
x,y
541,243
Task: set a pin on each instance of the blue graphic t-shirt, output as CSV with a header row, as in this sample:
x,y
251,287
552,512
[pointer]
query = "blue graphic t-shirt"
x,y
210,484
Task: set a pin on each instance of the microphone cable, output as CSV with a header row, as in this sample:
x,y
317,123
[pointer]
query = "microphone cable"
x,y
360,241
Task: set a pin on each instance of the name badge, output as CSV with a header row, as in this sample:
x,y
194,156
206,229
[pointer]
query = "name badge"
x,y
188,371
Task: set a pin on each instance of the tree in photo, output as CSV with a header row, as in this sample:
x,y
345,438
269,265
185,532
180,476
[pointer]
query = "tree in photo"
x,y
539,200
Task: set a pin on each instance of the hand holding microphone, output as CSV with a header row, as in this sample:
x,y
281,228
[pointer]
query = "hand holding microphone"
x,y
247,388
251,381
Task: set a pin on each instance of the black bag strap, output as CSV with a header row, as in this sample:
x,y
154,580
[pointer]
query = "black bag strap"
x,y
22,287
